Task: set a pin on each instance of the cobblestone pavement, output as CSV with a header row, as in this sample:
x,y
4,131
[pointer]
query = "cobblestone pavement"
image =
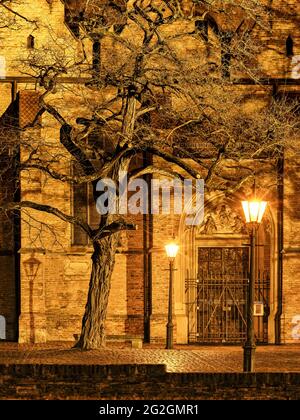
x,y
284,358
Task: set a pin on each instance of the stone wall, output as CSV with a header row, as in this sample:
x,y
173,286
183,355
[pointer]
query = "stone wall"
x,y
291,251
53,300
8,303
53,303
141,382
8,231
50,33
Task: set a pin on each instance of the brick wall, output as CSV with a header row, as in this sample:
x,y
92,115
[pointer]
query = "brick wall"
x,y
59,292
14,46
291,260
8,288
143,382
8,300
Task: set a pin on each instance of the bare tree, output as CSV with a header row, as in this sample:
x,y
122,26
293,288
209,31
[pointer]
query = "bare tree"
x,y
10,16
161,82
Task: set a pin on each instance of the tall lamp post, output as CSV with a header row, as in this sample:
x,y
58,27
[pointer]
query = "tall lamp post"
x,y
171,250
254,211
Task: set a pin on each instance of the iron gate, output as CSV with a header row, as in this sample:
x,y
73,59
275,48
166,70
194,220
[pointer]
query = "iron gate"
x,y
217,299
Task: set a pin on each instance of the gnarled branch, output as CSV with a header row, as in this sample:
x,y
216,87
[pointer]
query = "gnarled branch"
x,y
50,210
114,227
172,159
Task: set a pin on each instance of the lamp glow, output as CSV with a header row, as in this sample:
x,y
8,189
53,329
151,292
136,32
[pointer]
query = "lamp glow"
x,y
254,210
171,250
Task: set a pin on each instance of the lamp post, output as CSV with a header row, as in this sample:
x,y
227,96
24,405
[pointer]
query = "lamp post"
x,y
171,250
253,211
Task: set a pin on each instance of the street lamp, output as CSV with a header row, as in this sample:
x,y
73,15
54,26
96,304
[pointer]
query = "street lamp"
x,y
171,250
253,211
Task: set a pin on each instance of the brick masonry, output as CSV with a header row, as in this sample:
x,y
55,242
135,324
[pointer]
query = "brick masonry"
x,y
52,303
141,382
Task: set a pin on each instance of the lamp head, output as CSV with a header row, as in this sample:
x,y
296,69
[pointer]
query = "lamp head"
x,y
254,210
171,250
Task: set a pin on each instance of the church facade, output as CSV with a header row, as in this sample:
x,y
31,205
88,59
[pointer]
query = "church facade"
x,y
44,275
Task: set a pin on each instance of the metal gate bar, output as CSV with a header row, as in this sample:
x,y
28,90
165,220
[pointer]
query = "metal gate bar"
x,y
216,300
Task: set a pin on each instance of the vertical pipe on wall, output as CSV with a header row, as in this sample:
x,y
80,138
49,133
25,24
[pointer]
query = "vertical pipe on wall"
x,y
280,198
14,89
280,193
17,218
148,243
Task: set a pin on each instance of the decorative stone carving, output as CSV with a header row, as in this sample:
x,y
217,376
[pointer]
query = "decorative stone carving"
x,y
210,226
268,227
222,220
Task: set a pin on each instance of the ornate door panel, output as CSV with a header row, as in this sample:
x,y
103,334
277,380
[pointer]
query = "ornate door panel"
x,y
217,299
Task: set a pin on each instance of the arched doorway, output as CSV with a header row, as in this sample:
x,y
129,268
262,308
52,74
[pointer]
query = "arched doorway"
x,y
215,271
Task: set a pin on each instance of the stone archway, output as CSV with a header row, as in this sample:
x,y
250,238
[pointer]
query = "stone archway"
x,y
224,233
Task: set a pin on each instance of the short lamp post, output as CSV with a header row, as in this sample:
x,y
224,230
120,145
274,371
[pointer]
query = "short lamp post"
x,y
171,250
253,211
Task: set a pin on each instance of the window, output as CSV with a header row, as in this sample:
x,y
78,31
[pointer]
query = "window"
x,y
289,46
84,208
30,42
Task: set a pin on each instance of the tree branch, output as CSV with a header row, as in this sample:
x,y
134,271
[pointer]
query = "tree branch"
x,y
214,165
16,13
51,210
76,180
114,227
172,159
145,111
74,150
154,170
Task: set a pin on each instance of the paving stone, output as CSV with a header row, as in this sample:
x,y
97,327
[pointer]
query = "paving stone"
x,y
284,358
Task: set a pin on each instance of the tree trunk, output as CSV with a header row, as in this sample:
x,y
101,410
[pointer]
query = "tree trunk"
x,y
93,322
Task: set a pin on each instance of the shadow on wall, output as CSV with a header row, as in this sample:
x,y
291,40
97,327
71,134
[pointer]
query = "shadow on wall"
x,y
2,328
